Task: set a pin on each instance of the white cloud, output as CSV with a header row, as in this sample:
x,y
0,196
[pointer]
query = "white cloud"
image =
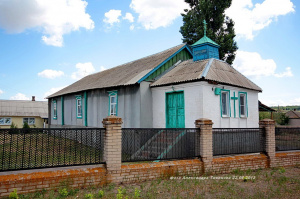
x,y
53,90
50,74
83,69
156,13
131,27
54,18
102,68
250,18
129,17
281,102
252,64
112,17
1,91
19,96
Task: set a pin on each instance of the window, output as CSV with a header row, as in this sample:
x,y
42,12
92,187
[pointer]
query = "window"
x,y
79,106
54,109
29,121
225,106
113,103
243,104
5,121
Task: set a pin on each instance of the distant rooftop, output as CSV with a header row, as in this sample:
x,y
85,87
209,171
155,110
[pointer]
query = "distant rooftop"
x,y
24,108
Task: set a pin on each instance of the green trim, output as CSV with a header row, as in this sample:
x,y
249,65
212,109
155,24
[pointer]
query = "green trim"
x,y
228,102
166,112
112,93
54,113
245,93
62,111
78,97
85,109
234,98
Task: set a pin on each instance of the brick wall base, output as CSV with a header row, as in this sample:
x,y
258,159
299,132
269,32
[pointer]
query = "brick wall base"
x,y
82,176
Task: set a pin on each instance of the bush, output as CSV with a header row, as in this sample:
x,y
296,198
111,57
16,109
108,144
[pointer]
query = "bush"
x,y
13,128
26,126
14,195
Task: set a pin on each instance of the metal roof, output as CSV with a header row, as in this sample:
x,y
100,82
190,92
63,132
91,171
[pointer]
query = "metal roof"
x,y
204,40
126,74
24,108
209,69
293,114
262,107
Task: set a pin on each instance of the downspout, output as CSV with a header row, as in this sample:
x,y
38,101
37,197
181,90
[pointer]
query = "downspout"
x,y
85,109
62,111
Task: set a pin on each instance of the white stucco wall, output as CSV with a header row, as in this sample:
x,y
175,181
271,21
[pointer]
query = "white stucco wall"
x,y
201,102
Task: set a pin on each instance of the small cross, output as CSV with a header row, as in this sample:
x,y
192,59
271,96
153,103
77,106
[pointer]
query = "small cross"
x,y
234,98
204,24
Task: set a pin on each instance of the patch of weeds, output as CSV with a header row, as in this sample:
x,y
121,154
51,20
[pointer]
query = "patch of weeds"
x,y
281,170
248,171
72,192
121,193
137,193
13,195
224,182
63,192
89,196
238,172
282,179
111,186
100,193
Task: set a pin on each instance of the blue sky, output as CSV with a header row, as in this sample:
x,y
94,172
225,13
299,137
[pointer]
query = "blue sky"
x,y
48,44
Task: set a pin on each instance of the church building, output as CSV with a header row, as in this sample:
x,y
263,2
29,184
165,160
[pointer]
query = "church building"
x,y
170,89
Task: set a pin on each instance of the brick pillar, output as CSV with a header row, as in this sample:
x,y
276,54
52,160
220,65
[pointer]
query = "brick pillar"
x,y
113,147
269,126
206,145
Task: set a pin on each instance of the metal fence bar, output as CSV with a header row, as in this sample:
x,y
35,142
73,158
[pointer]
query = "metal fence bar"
x,y
140,144
287,139
238,140
43,148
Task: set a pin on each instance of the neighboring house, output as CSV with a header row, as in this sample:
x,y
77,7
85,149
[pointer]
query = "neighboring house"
x,y
170,89
35,113
294,118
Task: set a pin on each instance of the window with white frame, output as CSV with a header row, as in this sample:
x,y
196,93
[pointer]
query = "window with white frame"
x,y
79,106
54,109
5,121
225,103
113,103
29,120
243,104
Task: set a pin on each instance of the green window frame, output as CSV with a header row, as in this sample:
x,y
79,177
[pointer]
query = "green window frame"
x,y
79,107
225,103
113,103
243,104
54,109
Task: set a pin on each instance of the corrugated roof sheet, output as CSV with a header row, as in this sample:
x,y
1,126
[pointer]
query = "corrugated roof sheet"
x,y
218,71
293,114
126,74
24,108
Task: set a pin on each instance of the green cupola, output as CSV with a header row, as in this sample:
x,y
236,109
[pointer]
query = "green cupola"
x,y
205,48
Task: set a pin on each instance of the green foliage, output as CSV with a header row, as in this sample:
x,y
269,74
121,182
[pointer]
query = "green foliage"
x,y
13,128
63,192
14,195
121,193
220,28
100,193
26,126
137,193
282,119
89,196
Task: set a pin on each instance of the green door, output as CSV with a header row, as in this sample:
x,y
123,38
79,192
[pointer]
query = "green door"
x,y
175,110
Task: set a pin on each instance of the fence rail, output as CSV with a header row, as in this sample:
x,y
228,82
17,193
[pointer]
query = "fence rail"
x,y
287,139
159,144
41,148
238,140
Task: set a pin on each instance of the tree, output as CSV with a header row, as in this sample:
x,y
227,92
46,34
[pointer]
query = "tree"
x,y
220,28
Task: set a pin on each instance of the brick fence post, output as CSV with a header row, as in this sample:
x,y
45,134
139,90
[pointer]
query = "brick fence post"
x,y
206,142
113,147
269,126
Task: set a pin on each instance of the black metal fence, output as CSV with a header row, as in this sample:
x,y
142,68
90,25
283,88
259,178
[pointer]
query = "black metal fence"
x,y
238,140
159,144
41,148
287,139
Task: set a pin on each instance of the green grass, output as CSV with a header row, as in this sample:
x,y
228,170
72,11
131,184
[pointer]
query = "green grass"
x,y
269,183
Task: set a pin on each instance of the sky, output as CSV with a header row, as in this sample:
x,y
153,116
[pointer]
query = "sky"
x,y
46,45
